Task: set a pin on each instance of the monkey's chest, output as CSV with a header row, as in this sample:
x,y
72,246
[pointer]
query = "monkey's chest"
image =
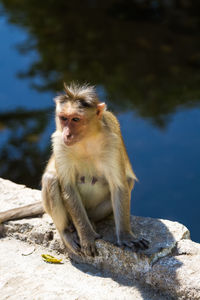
x,y
93,189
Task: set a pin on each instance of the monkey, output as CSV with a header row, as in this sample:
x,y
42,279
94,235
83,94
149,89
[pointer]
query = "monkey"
x,y
89,175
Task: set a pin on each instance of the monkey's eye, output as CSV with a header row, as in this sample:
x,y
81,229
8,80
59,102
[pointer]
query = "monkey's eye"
x,y
76,119
63,118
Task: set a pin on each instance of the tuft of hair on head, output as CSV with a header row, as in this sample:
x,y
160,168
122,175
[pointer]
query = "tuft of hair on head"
x,y
85,95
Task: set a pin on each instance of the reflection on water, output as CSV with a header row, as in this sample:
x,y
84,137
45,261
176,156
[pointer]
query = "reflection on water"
x,y
23,152
144,58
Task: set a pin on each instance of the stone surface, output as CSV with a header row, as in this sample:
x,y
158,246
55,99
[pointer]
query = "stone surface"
x,y
168,265
178,276
162,235
14,195
29,277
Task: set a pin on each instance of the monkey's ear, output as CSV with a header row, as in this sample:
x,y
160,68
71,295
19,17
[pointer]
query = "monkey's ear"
x,y
100,108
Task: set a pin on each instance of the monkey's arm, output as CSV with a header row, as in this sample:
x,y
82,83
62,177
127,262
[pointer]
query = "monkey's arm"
x,y
75,208
121,208
121,181
31,210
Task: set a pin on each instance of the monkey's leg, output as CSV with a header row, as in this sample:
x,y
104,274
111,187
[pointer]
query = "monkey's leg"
x,y
121,209
101,211
53,204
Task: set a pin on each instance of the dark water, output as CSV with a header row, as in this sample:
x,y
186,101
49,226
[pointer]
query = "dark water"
x,y
144,58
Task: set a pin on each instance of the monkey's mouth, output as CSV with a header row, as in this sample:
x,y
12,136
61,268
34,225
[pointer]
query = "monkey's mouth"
x,y
70,141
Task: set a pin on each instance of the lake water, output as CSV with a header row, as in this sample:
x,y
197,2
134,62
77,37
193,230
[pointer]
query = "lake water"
x,y
145,62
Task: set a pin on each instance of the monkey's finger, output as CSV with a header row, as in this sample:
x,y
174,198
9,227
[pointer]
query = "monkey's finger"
x,y
94,250
140,245
78,246
76,238
86,251
89,250
74,247
98,236
71,227
129,244
145,243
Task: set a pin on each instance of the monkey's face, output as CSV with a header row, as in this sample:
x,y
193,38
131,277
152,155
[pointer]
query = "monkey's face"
x,y
74,127
76,122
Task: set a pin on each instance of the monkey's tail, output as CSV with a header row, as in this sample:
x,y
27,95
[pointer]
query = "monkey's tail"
x,y
31,210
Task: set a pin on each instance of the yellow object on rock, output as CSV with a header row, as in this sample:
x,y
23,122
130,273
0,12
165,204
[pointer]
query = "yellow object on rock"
x,y
51,259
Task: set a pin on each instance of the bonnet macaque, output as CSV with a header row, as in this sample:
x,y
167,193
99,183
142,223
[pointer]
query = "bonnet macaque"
x,y
89,175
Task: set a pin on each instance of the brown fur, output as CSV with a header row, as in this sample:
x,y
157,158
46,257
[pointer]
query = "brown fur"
x,y
89,175
98,152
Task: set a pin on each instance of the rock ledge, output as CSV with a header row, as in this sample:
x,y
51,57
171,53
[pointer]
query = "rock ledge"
x,y
170,265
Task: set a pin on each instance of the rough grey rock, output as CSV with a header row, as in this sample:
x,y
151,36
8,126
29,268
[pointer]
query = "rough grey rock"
x,y
26,277
169,265
178,275
15,195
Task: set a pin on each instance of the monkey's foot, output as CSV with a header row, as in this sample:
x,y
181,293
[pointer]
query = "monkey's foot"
x,y
128,240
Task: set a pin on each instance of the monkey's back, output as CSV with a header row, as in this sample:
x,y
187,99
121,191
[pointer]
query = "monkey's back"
x,y
112,124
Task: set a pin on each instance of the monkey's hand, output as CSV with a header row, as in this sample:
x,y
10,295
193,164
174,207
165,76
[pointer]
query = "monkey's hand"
x,y
71,240
87,242
127,239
